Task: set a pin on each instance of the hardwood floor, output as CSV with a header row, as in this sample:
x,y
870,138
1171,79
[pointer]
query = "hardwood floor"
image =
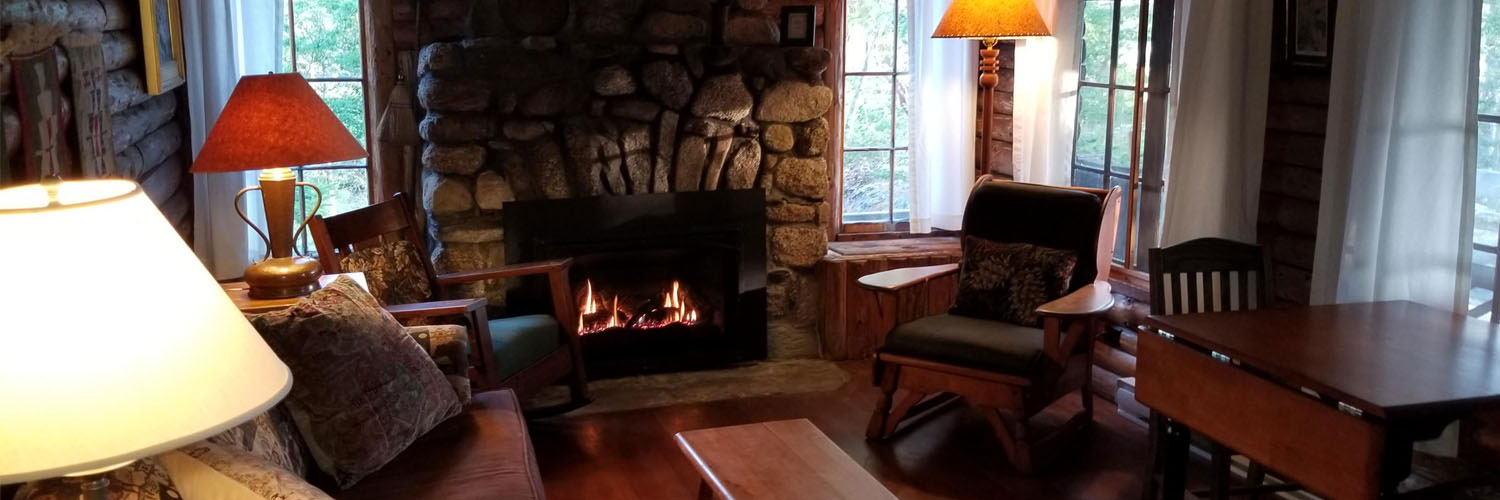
x,y
954,454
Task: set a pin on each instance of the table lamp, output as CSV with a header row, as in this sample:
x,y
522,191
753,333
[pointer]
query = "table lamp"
x,y
270,123
115,342
989,21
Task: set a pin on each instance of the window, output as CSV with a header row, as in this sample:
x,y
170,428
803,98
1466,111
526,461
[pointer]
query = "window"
x,y
1110,128
321,39
875,181
1487,176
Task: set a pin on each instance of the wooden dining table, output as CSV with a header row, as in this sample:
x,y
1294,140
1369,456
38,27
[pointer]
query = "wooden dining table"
x,y
1332,397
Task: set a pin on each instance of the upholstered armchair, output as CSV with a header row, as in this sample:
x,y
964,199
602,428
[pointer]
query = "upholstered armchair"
x,y
1010,371
521,353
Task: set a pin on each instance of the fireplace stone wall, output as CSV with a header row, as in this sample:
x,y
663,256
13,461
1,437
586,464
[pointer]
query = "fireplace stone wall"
x,y
563,99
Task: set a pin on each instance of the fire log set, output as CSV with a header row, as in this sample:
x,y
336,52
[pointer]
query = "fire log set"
x,y
658,310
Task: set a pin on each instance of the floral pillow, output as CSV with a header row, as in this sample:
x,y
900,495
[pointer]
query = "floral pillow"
x,y
364,389
270,436
1008,281
143,479
208,470
394,272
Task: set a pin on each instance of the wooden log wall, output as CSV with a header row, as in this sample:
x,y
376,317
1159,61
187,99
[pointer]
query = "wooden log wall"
x,y
149,132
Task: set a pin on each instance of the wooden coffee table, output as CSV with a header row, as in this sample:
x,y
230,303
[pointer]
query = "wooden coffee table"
x,y
782,459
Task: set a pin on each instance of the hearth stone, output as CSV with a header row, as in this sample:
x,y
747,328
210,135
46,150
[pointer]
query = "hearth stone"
x,y
812,138
525,130
752,30
794,101
491,190
744,164
723,97
674,27
791,212
446,194
778,138
530,17
614,81
805,177
799,245
463,160
447,94
449,128
668,82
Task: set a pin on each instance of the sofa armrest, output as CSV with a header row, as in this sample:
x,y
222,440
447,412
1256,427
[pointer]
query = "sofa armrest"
x,y
449,347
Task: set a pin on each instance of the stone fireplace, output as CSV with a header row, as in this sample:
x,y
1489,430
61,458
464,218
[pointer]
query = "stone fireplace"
x,y
562,100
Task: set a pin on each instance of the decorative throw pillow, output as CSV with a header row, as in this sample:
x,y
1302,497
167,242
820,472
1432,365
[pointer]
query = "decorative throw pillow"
x,y
394,272
448,345
207,470
143,479
271,436
363,388
1008,281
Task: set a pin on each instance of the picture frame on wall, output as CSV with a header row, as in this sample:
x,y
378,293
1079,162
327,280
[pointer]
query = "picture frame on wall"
x,y
161,44
799,25
1308,32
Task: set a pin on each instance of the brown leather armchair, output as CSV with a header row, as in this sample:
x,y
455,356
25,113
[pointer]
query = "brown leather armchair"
x,y
1009,372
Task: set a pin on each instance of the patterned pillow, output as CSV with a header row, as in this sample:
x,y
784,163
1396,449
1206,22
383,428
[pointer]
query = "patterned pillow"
x,y
271,436
208,470
363,388
448,345
394,272
1008,281
143,479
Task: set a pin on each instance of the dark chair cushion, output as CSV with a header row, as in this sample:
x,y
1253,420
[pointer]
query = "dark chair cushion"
x,y
1009,281
982,344
483,453
522,340
1049,216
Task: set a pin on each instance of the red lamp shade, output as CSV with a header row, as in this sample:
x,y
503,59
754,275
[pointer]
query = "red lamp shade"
x,y
275,121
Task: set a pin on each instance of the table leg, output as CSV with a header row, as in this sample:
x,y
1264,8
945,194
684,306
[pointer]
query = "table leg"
x,y
705,492
1151,488
1174,441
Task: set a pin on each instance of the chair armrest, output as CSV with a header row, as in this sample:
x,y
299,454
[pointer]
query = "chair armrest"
x,y
897,279
461,307
511,271
1086,301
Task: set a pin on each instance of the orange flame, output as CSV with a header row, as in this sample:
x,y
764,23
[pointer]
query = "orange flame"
x,y
595,315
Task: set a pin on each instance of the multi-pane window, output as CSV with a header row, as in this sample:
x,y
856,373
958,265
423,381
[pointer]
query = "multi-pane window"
x,y
1110,136
321,40
1487,175
876,182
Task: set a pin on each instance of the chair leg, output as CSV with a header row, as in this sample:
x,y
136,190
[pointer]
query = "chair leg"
x,y
578,383
1218,486
1256,476
1012,437
876,428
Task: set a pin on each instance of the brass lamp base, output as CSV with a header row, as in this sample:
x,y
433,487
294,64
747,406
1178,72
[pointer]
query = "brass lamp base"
x,y
283,277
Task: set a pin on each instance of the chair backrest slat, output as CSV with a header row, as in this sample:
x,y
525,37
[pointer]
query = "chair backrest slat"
x,y
1209,275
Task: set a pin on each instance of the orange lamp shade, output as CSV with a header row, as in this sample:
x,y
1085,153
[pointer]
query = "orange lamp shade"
x,y
989,19
275,121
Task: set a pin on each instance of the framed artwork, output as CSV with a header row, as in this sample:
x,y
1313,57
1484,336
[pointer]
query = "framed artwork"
x,y
799,25
1308,32
161,44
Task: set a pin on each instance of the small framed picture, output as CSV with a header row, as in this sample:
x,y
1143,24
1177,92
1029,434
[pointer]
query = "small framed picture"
x,y
799,25
1308,32
161,44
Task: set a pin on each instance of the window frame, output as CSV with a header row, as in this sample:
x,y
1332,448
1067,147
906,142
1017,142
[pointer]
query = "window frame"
x,y
1144,180
363,80
864,230
1488,306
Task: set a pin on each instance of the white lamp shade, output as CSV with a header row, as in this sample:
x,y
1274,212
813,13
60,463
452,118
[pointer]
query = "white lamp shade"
x,y
115,342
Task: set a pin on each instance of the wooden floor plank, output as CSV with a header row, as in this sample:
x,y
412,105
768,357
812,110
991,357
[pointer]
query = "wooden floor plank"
x,y
954,454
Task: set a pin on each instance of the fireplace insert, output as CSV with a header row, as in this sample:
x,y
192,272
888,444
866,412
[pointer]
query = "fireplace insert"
x,y
661,282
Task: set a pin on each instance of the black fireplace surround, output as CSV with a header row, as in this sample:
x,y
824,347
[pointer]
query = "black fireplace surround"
x,y
637,247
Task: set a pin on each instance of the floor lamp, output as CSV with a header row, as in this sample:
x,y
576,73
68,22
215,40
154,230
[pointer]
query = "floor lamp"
x,y
990,21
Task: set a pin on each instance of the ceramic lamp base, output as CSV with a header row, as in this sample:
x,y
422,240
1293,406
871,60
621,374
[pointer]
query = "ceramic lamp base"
x,y
283,277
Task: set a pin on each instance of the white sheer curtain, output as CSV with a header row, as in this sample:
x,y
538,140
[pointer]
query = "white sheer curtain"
x,y
1221,54
225,39
1396,213
1046,97
944,76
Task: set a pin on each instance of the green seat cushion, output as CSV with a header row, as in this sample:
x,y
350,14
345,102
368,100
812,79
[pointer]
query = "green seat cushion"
x,y
522,340
983,344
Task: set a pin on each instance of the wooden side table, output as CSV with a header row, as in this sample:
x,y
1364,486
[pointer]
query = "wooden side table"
x,y
782,459
239,292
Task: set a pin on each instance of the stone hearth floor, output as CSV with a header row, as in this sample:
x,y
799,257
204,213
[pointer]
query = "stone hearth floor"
x,y
765,378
